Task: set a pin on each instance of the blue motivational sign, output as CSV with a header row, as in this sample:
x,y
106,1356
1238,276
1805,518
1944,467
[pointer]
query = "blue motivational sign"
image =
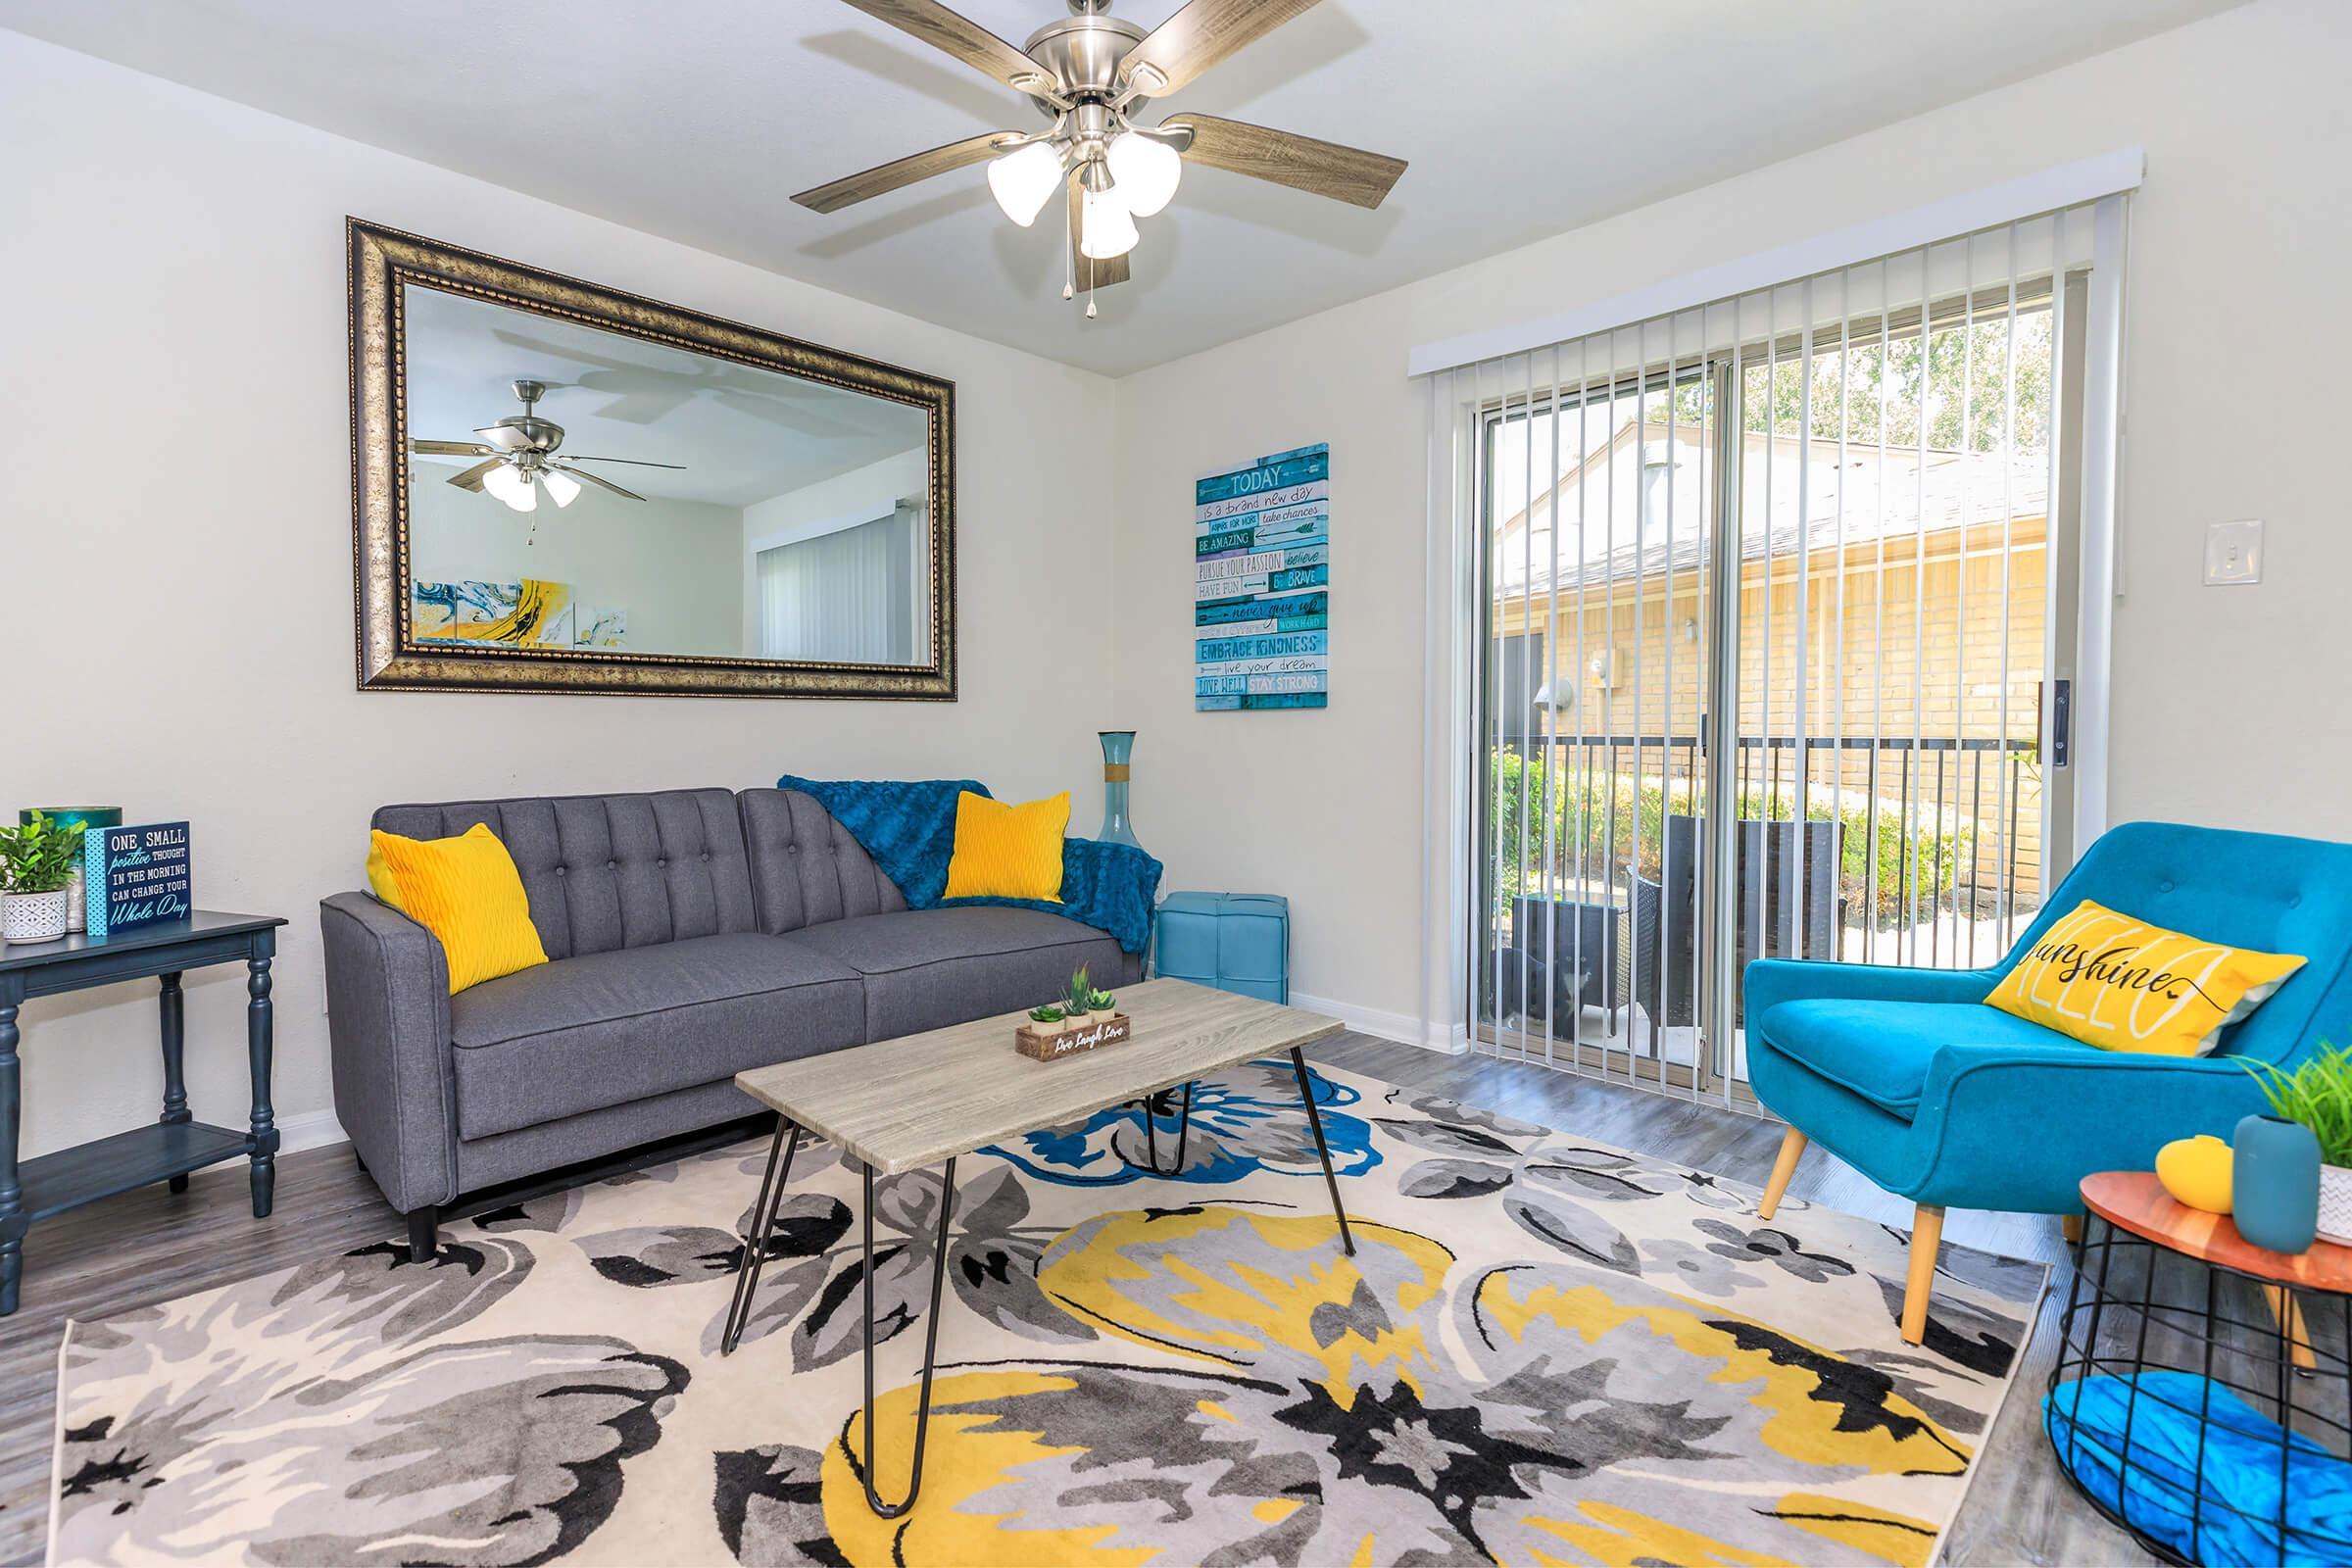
x,y
135,876
1262,555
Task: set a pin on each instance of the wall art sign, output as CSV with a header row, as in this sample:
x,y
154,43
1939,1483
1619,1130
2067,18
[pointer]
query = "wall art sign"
x,y
135,876
1261,573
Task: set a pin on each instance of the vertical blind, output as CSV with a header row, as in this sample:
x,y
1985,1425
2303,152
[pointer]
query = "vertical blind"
x,y
844,597
1756,618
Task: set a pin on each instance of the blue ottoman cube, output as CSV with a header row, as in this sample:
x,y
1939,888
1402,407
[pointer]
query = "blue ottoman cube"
x,y
1239,942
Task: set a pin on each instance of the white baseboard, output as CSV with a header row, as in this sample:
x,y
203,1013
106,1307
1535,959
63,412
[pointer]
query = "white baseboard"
x,y
312,1129
1401,1027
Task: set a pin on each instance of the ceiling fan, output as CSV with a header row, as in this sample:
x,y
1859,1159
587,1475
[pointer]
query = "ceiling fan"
x,y
520,449
1088,73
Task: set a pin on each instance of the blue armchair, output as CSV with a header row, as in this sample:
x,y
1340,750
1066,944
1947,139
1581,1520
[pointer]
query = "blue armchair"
x,y
1907,1076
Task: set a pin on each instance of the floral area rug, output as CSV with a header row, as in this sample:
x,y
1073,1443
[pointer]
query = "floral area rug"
x,y
1545,1351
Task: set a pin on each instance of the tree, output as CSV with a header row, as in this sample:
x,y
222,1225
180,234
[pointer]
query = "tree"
x,y
1969,373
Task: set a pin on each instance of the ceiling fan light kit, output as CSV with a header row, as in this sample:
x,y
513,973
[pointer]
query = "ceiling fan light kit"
x,y
518,456
1085,73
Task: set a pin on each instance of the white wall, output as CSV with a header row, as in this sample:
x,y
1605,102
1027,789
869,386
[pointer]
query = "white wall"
x,y
176,610
674,567
2239,247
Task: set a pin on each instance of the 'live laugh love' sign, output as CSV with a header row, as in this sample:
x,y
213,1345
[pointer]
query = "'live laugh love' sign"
x,y
135,876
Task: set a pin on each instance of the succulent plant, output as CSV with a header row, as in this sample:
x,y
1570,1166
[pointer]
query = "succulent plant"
x,y
1081,987
1049,1013
1099,1000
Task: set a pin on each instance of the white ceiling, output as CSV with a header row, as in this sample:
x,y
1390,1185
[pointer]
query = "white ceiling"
x,y
742,434
696,122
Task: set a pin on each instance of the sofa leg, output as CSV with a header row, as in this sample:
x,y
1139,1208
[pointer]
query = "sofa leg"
x,y
1783,1166
2071,1227
1927,1235
424,1239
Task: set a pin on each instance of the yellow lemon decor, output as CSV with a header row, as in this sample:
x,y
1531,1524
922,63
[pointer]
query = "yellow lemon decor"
x,y
2197,1171
465,891
2121,984
1008,851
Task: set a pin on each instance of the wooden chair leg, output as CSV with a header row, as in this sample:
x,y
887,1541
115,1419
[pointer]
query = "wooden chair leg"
x,y
2071,1226
2290,1317
1927,1235
1783,1166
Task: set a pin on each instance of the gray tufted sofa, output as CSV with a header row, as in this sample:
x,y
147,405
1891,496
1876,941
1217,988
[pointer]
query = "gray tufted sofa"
x,y
692,934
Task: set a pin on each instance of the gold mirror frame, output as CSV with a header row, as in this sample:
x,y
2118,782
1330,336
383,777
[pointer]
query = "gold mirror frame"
x,y
382,261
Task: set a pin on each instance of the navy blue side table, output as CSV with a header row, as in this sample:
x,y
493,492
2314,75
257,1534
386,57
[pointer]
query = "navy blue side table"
x,y
176,1143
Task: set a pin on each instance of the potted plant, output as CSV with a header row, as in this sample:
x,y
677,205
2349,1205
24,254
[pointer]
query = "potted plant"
x,y
36,865
1047,1021
1100,1006
1074,1000
2319,1095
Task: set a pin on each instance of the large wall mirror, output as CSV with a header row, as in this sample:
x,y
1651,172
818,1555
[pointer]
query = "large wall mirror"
x,y
561,487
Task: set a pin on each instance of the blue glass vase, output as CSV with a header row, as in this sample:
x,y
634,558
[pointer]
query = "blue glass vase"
x,y
1117,746
2275,1183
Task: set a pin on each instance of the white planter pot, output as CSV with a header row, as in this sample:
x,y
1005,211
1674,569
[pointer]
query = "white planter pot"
x,y
32,916
1044,1030
2335,1205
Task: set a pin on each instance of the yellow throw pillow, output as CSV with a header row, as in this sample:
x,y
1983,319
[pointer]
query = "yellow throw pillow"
x,y
1008,851
2120,983
465,891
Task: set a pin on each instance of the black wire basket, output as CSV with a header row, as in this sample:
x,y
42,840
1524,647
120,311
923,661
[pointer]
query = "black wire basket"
x,y
2205,1410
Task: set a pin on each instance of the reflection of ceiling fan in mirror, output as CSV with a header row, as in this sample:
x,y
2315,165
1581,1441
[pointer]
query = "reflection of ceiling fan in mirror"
x,y
1087,73
518,456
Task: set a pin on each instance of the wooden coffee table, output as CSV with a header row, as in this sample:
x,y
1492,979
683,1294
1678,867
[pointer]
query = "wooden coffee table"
x,y
925,1100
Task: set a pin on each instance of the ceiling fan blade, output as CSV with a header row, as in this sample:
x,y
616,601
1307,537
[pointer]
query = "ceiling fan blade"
x,y
471,479
581,457
583,473
891,176
1322,167
505,437
449,449
1201,35
959,35
1091,272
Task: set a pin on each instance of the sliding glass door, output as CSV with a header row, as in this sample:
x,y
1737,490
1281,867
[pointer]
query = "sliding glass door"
x,y
1773,653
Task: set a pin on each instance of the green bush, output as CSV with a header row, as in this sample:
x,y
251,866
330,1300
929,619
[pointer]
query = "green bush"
x,y
1613,816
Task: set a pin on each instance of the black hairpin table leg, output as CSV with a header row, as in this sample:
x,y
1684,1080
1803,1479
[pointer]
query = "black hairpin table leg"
x,y
1314,1122
922,1409
1183,1132
757,1234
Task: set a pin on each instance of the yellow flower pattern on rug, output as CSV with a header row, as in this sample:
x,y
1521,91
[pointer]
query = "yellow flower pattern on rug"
x,y
1543,1351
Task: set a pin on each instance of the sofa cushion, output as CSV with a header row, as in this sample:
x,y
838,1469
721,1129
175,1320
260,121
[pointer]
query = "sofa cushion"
x,y
805,868
1881,1050
928,968
584,1033
607,871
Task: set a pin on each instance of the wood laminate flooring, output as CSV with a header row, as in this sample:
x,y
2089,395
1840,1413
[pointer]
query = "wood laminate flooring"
x,y
152,1246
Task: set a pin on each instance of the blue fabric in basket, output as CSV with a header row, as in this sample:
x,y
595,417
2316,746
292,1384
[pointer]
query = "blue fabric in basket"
x,y
908,828
2234,1491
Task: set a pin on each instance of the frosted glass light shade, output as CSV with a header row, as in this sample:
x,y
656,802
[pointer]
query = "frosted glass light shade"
x,y
562,486
508,484
1146,171
1108,230
1023,180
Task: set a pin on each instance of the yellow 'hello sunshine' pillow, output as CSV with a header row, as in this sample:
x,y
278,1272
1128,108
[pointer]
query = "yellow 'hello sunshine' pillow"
x,y
2108,980
465,891
1008,851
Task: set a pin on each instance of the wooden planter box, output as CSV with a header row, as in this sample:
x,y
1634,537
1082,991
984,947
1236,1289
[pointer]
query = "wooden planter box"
x,y
1071,1041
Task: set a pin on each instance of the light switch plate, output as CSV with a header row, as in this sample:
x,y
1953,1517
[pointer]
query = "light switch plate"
x,y
2233,551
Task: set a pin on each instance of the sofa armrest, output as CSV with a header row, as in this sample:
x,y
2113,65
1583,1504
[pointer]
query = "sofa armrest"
x,y
387,1024
1769,982
2034,1120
